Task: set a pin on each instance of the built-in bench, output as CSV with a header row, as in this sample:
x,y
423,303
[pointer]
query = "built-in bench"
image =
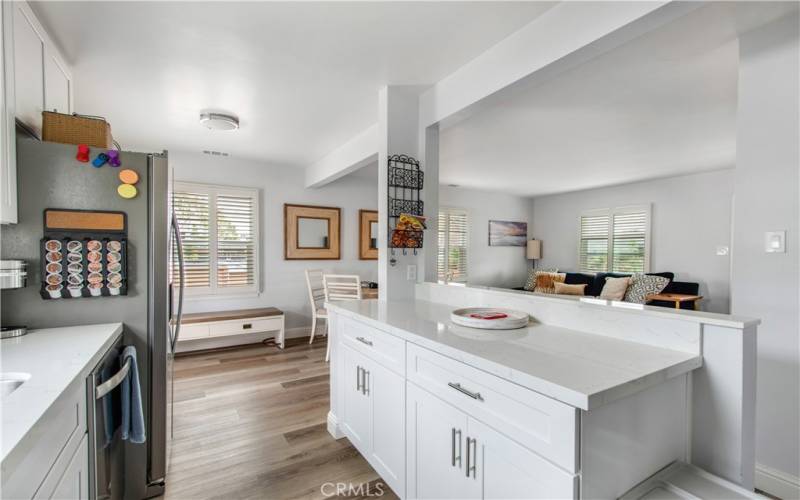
x,y
226,324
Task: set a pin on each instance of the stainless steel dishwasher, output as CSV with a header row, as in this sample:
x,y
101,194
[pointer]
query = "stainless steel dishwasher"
x,y
106,449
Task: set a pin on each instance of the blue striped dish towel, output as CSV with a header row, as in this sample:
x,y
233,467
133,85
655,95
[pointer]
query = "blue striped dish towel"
x,y
132,411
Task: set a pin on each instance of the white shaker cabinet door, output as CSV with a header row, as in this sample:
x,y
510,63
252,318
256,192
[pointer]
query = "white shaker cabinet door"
x,y
56,86
506,470
71,482
356,411
387,393
436,449
29,48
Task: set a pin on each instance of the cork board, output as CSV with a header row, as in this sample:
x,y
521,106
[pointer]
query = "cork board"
x,y
83,220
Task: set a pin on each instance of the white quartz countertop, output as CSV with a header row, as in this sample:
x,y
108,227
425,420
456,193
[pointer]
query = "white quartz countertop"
x,y
581,369
54,358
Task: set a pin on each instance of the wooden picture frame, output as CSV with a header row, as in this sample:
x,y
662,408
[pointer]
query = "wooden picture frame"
x,y
291,232
365,219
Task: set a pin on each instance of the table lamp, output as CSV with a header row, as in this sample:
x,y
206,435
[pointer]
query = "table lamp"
x,y
534,250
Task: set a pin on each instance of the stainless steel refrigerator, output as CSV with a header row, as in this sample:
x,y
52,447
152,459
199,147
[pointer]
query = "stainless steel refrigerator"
x,y
49,176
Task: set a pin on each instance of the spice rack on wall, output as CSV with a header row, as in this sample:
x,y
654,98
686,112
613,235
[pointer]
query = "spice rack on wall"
x,y
405,185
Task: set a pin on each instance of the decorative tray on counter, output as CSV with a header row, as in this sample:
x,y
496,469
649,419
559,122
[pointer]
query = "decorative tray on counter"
x,y
490,318
84,254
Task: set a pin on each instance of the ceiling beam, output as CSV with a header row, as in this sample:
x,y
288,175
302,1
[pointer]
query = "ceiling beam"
x,y
563,37
354,154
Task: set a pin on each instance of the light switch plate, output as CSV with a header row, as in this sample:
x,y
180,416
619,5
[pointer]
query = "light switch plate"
x,y
775,242
411,272
722,250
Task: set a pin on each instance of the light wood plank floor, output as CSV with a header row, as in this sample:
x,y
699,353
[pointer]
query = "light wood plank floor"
x,y
250,422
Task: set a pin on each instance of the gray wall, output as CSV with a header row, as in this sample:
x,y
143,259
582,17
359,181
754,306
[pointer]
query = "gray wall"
x,y
766,285
282,281
491,266
691,216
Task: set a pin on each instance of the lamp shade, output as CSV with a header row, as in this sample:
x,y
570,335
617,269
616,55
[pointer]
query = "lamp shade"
x,y
534,249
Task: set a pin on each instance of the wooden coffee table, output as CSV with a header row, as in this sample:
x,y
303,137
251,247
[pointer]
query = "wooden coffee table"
x,y
677,298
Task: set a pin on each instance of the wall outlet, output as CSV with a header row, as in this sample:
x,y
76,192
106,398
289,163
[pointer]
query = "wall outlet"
x,y
722,250
411,272
775,242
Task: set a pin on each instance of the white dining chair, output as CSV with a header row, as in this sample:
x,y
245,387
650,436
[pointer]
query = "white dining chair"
x,y
316,296
340,287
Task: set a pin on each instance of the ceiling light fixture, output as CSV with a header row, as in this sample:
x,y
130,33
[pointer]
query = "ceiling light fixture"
x,y
219,121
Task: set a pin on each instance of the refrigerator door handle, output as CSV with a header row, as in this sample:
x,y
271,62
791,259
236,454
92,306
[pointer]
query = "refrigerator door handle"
x,y
179,244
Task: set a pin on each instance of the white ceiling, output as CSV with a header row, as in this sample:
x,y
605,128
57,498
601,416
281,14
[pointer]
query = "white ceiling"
x,y
303,77
662,105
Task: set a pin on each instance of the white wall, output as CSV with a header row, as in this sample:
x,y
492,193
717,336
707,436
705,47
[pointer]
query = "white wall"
x,y
691,216
283,281
767,285
491,266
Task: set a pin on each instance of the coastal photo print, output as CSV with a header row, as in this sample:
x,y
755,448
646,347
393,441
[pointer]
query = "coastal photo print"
x,y
504,233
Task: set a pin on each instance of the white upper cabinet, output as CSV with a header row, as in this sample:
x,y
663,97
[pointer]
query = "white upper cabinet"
x,y
28,68
42,80
57,82
35,78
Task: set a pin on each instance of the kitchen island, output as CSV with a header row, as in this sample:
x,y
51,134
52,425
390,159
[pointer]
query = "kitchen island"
x,y
546,411
44,418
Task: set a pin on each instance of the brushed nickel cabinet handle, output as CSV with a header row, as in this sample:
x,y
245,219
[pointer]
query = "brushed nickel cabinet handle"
x,y
358,378
364,384
473,395
456,436
364,341
474,443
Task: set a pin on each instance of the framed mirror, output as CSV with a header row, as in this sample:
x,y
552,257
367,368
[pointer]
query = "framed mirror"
x,y
311,232
368,235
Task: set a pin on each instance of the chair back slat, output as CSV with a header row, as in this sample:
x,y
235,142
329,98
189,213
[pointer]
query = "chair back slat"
x,y
342,286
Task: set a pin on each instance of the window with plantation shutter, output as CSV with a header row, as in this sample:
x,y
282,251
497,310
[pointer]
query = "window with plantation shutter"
x,y
453,241
615,240
594,243
219,231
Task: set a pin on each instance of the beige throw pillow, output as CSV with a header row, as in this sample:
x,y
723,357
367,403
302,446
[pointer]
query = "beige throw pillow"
x,y
615,288
545,281
563,289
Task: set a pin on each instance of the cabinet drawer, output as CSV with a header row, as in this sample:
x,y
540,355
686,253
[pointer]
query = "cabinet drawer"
x,y
57,436
539,423
243,326
197,331
384,348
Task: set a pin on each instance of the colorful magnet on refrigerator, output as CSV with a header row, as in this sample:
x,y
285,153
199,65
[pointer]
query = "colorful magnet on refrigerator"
x,y
127,191
113,158
101,160
128,176
83,153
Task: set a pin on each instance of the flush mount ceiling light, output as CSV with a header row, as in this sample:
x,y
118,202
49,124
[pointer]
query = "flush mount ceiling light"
x,y
219,121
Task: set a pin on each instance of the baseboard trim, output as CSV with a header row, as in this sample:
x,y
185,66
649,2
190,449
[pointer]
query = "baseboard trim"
x,y
333,426
777,483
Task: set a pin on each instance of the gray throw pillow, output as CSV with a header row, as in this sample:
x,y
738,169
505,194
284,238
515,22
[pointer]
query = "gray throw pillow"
x,y
644,285
530,285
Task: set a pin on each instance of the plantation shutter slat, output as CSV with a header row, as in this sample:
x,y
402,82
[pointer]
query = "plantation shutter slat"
x,y
630,237
594,243
453,242
219,234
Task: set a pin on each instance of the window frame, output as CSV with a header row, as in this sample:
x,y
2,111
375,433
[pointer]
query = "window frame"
x,y
213,191
461,211
610,213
